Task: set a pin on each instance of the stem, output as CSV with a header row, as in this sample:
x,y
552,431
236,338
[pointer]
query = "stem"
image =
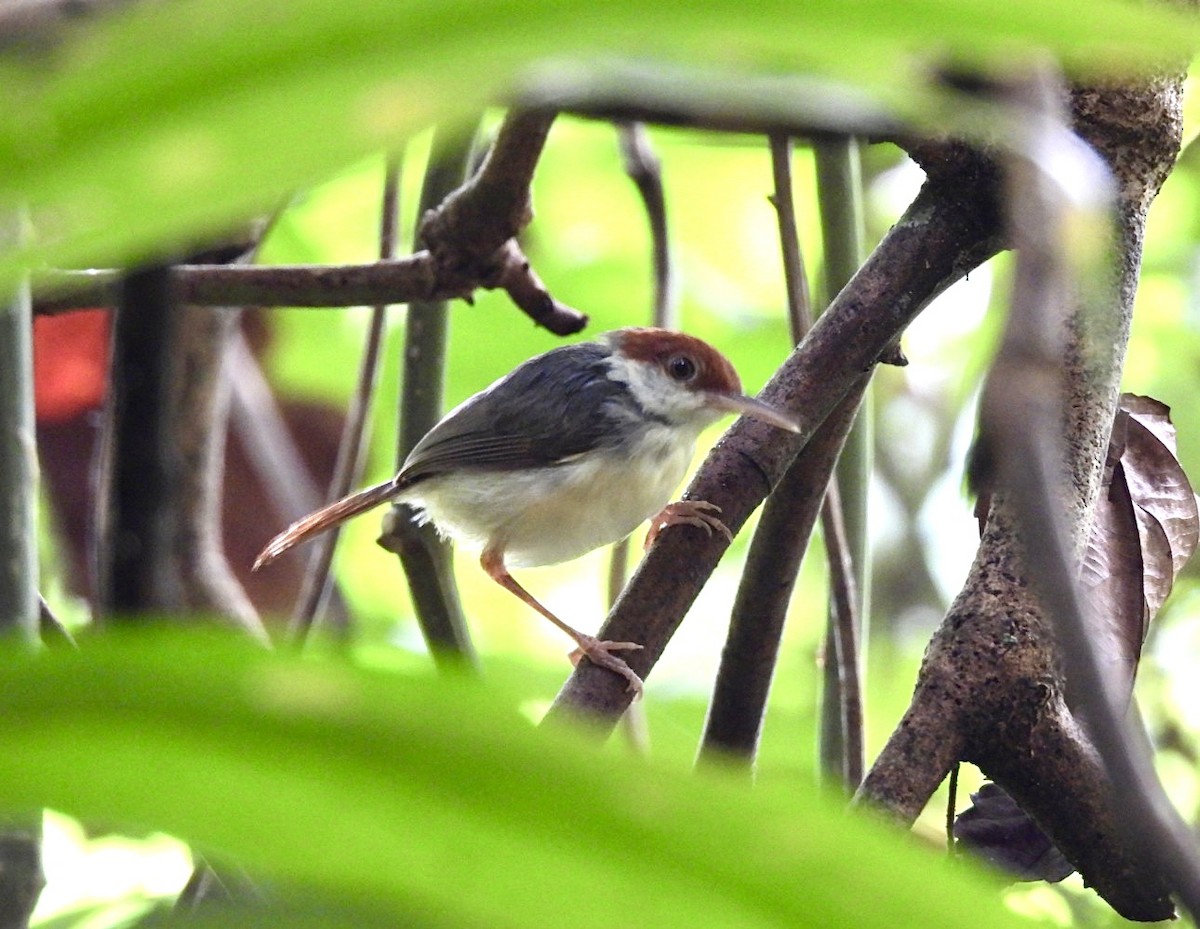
x,y
348,468
18,459
844,625
21,877
427,559
645,170
839,194
134,549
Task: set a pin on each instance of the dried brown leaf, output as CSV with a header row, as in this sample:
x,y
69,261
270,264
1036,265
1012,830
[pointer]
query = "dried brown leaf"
x,y
1112,577
1157,482
1145,527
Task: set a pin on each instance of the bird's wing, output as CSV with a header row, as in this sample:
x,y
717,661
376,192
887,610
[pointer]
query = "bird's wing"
x,y
547,411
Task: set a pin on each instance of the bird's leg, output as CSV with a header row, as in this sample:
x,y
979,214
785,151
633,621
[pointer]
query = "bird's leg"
x,y
597,651
699,513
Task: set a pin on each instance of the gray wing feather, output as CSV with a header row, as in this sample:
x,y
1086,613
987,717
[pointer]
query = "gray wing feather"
x,y
545,411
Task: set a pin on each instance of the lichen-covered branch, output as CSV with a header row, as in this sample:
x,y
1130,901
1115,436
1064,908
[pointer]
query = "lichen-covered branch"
x,y
991,689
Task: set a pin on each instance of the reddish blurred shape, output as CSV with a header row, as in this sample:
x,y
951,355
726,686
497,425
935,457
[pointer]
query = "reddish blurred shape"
x,y
70,353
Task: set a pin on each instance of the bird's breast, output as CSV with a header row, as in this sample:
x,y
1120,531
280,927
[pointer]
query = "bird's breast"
x,y
554,514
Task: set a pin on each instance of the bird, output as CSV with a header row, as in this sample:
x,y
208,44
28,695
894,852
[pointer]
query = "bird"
x,y
570,451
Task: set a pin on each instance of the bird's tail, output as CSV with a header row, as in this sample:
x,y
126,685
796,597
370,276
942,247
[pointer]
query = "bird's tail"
x,y
325,518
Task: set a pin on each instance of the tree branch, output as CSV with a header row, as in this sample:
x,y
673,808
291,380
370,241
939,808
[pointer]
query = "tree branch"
x,y
18,459
990,689
839,195
138,468
949,229
316,587
739,701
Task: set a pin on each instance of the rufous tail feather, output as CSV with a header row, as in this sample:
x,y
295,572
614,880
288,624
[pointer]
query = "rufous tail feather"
x,y
326,518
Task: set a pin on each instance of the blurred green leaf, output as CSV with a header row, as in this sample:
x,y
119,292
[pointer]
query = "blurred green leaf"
x,y
172,120
434,799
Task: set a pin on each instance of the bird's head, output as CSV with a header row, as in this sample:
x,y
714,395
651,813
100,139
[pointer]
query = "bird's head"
x,y
683,381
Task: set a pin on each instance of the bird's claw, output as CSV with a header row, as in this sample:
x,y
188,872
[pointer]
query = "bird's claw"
x,y
600,653
699,513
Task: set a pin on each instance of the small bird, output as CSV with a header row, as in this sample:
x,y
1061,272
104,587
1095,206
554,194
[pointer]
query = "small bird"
x,y
570,451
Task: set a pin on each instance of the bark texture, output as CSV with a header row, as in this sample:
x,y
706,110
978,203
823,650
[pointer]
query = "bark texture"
x,y
990,690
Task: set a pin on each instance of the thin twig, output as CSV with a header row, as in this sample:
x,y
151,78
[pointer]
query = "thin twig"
x,y
844,518
799,294
844,622
645,170
411,279
351,447
397,281
260,427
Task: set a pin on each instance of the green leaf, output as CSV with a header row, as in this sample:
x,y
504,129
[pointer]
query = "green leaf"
x,y
434,799
170,121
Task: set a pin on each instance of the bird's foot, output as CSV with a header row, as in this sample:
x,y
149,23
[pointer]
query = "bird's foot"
x,y
600,652
698,513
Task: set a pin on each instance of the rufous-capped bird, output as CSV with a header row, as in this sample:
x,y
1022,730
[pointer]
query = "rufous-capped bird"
x,y
570,451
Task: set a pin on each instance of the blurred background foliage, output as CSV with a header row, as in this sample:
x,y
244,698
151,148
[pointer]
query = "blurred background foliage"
x,y
590,244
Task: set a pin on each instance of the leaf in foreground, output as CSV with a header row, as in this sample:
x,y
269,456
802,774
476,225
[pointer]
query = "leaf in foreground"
x,y
433,800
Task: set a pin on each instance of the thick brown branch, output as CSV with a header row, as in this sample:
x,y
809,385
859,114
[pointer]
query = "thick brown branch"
x,y
950,228
739,701
991,690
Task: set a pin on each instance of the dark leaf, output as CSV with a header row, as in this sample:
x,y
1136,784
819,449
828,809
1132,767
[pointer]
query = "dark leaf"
x,y
1004,835
1157,482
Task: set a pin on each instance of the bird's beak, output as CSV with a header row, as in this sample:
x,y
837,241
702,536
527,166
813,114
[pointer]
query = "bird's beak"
x,y
754,408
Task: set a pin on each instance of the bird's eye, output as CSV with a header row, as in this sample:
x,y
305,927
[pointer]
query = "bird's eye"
x,y
681,368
